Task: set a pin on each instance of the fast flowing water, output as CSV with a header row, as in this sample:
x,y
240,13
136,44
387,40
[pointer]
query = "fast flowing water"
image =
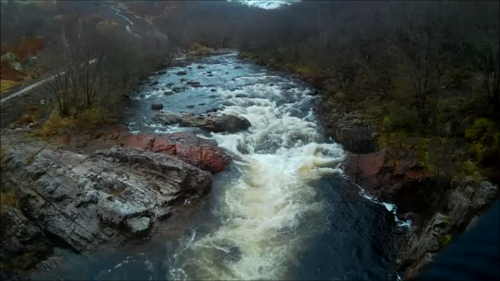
x,y
284,210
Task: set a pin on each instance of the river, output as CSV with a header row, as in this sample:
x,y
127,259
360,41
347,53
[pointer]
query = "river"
x,y
285,210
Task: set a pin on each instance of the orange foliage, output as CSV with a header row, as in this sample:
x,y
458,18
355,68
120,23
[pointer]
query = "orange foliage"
x,y
29,46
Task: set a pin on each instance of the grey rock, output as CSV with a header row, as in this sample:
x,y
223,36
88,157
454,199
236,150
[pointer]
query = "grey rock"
x,y
421,246
209,122
157,106
459,208
168,93
86,201
139,226
178,89
484,195
21,236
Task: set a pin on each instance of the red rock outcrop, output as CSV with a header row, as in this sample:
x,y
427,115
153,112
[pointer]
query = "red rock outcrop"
x,y
199,152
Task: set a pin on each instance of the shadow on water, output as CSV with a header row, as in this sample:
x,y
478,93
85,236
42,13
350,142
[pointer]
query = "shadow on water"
x,y
358,243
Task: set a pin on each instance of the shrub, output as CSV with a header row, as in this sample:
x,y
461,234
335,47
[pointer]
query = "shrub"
x,y
400,118
447,239
54,124
90,117
478,130
471,169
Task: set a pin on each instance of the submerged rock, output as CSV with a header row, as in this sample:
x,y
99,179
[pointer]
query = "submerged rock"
x,y
209,122
199,152
85,201
178,89
181,73
156,106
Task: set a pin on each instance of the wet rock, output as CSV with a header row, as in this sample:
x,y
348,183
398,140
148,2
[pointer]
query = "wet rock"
x,y
202,103
210,75
215,109
241,96
178,89
162,72
181,73
313,93
422,247
212,96
168,92
21,237
209,72
156,106
183,80
209,122
85,201
139,226
154,83
156,89
142,95
355,137
227,72
194,84
190,106
200,67
459,208
484,195
213,90
199,152
169,84
238,67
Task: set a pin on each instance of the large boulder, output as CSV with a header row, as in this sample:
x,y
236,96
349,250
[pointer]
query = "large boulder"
x,y
156,106
354,130
84,201
421,247
212,122
196,151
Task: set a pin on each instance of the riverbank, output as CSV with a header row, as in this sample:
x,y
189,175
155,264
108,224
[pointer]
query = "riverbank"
x,y
284,183
436,178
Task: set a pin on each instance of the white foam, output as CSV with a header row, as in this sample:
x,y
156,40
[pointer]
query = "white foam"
x,y
261,211
392,208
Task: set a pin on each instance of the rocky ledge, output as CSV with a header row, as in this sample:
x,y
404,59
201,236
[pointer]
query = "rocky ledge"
x,y
439,210
82,201
212,122
202,153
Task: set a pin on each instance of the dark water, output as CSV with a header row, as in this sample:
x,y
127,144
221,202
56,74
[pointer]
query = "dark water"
x,y
285,211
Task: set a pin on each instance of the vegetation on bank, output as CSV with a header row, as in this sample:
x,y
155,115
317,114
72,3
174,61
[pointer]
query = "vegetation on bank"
x,y
425,73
